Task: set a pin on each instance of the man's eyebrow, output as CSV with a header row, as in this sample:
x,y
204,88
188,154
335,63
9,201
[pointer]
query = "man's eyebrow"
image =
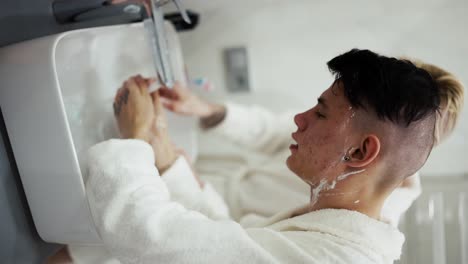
x,y
321,101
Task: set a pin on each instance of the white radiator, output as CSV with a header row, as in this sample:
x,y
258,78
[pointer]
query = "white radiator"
x,y
436,226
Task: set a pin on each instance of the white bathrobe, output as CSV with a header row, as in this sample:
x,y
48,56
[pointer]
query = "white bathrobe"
x,y
139,223
252,175
184,189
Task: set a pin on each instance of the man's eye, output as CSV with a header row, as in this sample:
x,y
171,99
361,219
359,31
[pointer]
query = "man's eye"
x,y
319,115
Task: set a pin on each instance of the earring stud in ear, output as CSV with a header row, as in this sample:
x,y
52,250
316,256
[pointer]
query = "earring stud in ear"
x,y
346,158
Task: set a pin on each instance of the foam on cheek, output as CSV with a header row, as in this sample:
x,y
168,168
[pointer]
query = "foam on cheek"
x,y
324,185
351,116
345,126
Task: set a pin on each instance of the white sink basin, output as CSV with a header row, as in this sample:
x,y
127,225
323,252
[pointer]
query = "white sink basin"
x,y
56,98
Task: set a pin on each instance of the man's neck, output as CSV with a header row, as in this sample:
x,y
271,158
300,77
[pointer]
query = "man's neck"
x,y
354,199
359,204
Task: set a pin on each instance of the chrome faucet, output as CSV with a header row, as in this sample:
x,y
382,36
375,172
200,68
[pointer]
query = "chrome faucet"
x,y
157,35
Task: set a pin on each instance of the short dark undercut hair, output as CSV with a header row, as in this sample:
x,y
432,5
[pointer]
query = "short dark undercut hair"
x,y
395,89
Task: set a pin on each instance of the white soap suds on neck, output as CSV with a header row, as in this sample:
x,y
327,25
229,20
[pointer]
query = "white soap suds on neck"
x,y
346,175
324,185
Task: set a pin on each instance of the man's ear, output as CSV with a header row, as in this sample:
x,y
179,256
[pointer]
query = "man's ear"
x,y
365,154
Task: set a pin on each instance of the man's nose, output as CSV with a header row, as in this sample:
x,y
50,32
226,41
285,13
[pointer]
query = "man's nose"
x,y
299,120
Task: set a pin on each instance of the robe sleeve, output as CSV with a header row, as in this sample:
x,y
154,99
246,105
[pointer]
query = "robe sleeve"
x,y
138,222
257,128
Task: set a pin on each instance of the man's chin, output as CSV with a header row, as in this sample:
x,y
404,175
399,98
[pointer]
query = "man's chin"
x,y
296,169
290,164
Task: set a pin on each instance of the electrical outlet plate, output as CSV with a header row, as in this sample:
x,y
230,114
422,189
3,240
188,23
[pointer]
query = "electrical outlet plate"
x,y
237,69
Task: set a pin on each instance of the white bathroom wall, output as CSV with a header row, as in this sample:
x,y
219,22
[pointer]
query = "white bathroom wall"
x,y
289,43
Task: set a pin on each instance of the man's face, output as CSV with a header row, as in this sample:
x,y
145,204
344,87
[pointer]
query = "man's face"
x,y
324,135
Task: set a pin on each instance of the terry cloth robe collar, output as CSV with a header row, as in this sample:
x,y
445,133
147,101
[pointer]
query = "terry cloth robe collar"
x,y
351,225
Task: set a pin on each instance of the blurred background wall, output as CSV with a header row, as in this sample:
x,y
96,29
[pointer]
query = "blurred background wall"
x,y
289,42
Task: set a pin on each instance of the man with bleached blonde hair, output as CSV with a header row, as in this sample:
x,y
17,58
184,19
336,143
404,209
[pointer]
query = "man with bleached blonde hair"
x,y
372,128
240,124
453,96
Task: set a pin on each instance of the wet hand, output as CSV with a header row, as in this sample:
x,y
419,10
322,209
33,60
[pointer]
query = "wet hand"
x,y
140,115
181,100
133,109
164,150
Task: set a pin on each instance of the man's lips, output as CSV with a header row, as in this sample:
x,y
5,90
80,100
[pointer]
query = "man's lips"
x,y
294,146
